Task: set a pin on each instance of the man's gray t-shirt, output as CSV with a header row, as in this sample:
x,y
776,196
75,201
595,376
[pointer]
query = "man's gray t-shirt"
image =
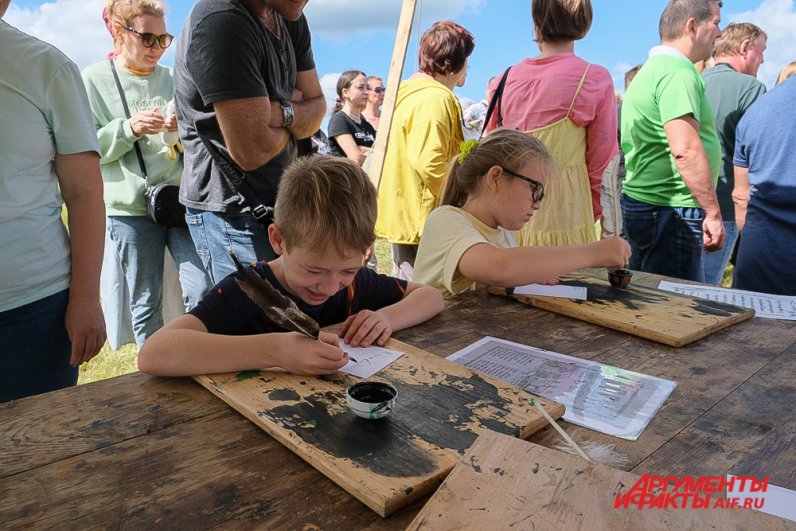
x,y
730,93
226,53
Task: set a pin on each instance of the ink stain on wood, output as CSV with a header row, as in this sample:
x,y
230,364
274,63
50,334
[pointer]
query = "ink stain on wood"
x,y
284,395
246,375
375,445
426,411
389,462
636,299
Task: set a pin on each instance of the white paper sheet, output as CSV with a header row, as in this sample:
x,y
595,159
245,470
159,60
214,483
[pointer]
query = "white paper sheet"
x,y
369,360
764,304
597,396
565,292
779,501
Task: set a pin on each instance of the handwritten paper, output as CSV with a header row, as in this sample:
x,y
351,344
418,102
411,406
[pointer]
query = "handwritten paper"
x,y
369,360
597,396
565,292
764,304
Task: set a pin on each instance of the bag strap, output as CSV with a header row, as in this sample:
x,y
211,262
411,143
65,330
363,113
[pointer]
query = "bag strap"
x,y
237,180
577,91
127,113
495,102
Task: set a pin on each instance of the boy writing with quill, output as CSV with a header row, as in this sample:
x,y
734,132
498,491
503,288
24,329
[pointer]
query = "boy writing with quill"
x,y
323,225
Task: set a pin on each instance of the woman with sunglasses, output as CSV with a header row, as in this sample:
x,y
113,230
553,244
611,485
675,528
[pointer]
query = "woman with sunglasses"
x,y
372,112
350,135
145,88
494,187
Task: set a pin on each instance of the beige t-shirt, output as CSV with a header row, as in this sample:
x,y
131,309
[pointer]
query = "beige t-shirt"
x,y
448,233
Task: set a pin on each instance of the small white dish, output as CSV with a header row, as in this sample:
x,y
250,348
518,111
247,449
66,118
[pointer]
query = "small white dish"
x,y
371,400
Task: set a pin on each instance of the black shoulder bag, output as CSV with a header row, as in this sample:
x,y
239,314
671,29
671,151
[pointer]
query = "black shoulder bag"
x,y
495,101
162,200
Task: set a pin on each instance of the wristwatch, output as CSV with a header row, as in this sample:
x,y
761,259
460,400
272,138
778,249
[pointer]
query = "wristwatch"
x,y
287,115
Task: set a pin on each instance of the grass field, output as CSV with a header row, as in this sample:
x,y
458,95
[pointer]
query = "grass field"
x,y
109,363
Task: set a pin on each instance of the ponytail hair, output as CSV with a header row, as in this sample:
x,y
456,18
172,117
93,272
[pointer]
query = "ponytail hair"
x,y
344,82
502,147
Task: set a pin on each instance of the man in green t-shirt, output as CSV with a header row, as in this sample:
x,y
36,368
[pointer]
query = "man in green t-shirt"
x,y
671,148
731,87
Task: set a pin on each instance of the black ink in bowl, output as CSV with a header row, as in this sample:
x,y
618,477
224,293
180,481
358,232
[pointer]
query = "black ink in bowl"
x,y
371,400
619,278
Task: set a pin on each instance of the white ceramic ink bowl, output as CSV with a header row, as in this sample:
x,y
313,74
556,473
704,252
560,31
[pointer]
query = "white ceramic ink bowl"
x,y
371,400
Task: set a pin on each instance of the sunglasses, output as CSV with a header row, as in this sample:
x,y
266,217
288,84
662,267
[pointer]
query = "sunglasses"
x,y
537,188
378,90
149,39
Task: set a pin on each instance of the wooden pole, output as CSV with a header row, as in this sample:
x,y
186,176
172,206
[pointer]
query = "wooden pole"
x,y
393,80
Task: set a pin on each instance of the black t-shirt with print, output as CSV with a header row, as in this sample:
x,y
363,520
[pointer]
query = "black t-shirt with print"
x,y
342,124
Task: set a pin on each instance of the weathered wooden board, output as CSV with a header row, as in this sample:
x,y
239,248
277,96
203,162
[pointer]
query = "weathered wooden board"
x,y
662,316
387,463
505,483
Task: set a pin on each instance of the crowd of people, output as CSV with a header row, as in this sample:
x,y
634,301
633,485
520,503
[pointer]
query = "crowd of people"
x,y
510,191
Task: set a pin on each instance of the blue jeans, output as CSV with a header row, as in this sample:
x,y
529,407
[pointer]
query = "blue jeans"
x,y
140,245
664,240
716,262
215,235
35,349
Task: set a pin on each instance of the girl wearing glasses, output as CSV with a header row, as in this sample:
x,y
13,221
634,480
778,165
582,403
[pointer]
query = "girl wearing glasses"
x,y
136,243
350,134
494,187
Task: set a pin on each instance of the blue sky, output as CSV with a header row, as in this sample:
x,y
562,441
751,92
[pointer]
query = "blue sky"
x,y
359,34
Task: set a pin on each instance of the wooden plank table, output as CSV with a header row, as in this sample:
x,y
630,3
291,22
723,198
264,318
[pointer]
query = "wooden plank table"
x,y
144,452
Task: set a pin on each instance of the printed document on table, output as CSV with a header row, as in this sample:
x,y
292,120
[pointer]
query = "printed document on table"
x,y
597,396
367,361
764,304
566,292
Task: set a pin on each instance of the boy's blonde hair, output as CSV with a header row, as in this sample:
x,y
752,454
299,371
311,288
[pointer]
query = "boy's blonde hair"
x,y
325,203
506,148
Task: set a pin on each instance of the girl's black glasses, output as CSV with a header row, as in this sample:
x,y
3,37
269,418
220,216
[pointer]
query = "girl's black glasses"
x,y
537,188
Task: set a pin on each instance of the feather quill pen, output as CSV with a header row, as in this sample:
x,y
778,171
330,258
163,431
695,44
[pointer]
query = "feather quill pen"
x,y
279,308
609,198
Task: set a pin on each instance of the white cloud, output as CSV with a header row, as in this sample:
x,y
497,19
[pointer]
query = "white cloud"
x,y
73,26
333,19
778,19
329,86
